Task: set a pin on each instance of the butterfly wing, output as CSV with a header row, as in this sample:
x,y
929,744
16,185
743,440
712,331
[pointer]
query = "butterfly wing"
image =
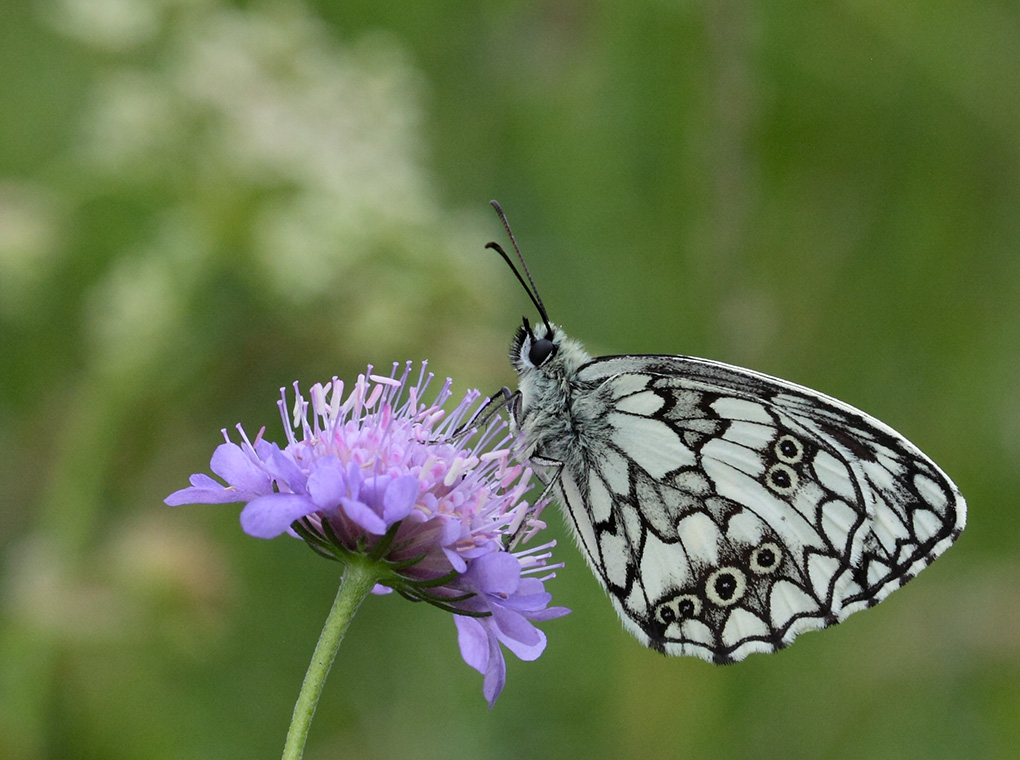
x,y
726,511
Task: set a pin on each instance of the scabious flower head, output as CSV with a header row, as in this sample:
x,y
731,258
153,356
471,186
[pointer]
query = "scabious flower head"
x,y
432,497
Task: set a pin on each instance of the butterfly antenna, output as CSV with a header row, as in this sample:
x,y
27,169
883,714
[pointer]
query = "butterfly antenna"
x,y
532,291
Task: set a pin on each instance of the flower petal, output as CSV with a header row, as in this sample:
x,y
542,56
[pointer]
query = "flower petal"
x,y
231,463
474,642
513,626
495,675
205,490
327,484
550,613
364,516
525,651
456,561
399,498
480,650
284,469
495,573
269,516
452,531
354,480
245,480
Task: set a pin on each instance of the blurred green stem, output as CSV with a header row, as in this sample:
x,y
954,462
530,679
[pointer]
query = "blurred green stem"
x,y
357,582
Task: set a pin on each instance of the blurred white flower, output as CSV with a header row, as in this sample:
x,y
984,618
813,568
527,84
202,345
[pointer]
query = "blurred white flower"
x,y
133,312
292,160
28,237
111,24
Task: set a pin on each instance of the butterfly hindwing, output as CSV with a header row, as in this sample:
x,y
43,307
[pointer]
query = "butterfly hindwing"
x,y
726,511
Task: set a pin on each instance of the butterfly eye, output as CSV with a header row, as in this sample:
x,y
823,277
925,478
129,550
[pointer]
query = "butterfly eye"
x,y
540,351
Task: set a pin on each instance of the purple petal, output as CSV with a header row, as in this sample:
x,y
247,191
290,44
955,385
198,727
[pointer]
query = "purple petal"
x,y
354,480
480,650
527,603
531,599
456,561
530,587
363,515
474,642
548,614
204,490
495,573
203,481
373,489
284,469
269,516
231,463
263,448
512,626
327,485
399,498
495,676
525,652
530,596
452,531
245,480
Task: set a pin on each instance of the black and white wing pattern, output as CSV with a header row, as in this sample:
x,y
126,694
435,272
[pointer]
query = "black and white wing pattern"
x,y
726,511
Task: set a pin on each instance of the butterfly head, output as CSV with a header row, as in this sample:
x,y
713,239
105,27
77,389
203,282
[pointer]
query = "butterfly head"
x,y
544,349
531,348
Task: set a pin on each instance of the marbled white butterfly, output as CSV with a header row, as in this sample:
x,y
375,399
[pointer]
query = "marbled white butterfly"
x,y
723,510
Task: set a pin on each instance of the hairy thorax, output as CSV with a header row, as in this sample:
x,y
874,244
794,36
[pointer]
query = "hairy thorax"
x,y
561,416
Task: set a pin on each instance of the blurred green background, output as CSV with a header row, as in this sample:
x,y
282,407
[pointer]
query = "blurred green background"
x,y
201,202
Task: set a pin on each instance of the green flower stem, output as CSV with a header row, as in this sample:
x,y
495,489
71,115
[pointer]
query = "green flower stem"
x,y
357,582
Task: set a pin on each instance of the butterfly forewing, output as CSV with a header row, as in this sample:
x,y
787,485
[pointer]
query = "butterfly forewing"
x,y
726,511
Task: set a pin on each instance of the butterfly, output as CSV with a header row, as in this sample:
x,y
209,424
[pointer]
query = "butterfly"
x,y
724,511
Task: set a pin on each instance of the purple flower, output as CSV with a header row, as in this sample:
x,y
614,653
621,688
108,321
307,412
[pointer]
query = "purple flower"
x,y
437,502
511,602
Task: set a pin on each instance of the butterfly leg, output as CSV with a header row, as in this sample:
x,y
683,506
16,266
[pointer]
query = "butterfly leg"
x,y
498,401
